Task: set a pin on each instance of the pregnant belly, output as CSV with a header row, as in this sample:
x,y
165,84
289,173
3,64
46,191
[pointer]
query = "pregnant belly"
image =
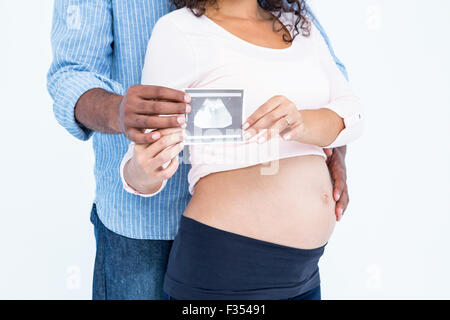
x,y
291,204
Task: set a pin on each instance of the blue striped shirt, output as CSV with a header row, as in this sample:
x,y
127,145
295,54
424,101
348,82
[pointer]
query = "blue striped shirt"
x,y
102,44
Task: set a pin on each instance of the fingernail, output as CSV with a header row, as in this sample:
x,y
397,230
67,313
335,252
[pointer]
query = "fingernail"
x,y
287,137
245,126
338,196
156,135
187,98
341,211
188,108
180,120
261,139
247,135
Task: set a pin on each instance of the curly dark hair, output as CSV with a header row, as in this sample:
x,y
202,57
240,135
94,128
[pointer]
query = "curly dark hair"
x,y
301,25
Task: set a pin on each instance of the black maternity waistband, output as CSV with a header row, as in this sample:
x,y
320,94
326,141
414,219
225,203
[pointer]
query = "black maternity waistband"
x,y
210,264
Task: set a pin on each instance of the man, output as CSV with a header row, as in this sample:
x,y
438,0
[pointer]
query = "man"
x,y
99,48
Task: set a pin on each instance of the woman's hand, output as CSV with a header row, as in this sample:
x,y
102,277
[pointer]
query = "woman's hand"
x,y
154,163
278,116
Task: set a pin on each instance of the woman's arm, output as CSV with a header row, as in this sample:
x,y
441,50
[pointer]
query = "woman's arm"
x,y
145,169
334,124
280,116
320,127
342,99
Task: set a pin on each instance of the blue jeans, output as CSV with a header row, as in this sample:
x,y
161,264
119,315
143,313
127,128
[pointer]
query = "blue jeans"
x,y
128,269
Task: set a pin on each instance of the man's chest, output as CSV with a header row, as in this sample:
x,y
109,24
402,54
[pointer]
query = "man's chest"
x,y
133,22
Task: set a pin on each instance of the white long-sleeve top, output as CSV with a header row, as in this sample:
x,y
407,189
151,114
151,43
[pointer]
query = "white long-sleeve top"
x,y
186,51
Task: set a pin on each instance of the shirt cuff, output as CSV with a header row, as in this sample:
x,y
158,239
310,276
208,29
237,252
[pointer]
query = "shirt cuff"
x,y
69,88
354,125
126,186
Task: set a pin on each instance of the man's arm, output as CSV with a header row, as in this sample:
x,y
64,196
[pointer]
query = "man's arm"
x,y
85,97
82,52
98,110
131,114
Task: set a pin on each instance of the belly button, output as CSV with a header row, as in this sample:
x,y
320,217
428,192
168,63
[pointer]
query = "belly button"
x,y
326,198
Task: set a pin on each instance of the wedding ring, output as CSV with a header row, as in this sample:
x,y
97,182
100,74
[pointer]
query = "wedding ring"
x,y
287,120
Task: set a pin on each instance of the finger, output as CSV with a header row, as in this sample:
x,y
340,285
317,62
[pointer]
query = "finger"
x,y
154,149
267,107
339,185
279,126
149,107
339,213
167,154
156,134
156,122
265,122
295,127
169,171
328,152
162,93
139,137
294,132
278,120
342,205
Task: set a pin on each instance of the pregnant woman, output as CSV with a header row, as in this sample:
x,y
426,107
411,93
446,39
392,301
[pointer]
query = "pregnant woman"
x,y
252,230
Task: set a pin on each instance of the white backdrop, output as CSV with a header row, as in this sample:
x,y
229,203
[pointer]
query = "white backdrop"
x,y
393,241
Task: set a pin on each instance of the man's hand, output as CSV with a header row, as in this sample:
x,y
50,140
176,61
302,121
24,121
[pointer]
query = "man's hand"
x,y
338,171
142,107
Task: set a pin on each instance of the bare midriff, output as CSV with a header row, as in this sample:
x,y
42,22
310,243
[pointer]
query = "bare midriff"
x,y
293,207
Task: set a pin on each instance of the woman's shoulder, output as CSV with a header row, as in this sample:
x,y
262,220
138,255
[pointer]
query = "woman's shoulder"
x,y
183,19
